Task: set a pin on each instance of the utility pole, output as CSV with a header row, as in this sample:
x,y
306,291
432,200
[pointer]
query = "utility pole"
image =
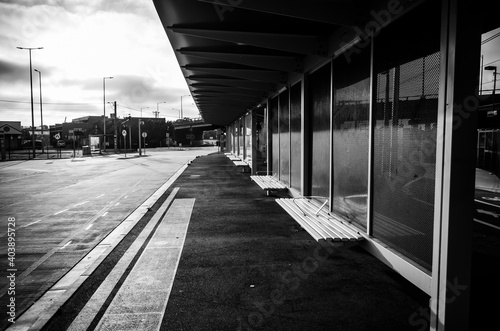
x,y
115,142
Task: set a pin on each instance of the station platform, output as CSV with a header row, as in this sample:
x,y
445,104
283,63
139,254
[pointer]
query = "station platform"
x,y
225,256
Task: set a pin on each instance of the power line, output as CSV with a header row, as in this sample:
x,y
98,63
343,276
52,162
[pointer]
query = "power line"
x,y
53,103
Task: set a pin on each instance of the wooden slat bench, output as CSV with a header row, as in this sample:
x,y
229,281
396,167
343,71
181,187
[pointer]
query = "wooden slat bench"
x,y
269,183
241,164
322,225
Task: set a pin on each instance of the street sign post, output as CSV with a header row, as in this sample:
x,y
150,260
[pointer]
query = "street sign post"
x,y
144,135
124,133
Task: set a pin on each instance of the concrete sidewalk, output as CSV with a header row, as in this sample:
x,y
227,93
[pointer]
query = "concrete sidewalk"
x,y
247,265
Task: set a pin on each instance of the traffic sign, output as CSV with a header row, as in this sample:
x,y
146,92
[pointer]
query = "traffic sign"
x,y
124,133
144,134
57,136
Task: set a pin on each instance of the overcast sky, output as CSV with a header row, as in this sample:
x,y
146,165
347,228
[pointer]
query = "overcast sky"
x,y
83,42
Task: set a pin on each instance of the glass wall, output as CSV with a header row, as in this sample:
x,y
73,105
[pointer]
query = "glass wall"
x,y
351,103
240,137
295,135
319,112
284,120
406,104
248,138
275,136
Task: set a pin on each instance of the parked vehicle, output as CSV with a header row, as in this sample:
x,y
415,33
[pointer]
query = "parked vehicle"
x,y
61,143
27,144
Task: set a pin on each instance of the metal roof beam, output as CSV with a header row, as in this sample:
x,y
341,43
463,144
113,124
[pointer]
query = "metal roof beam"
x,y
280,63
331,12
295,43
247,84
268,76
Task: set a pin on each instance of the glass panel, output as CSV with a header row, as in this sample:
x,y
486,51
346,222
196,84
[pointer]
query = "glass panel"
x,y
240,137
284,118
295,135
319,110
248,138
261,139
275,136
350,137
405,156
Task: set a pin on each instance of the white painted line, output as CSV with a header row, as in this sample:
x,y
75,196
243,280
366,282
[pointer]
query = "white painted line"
x,y
30,224
154,274
487,224
125,197
88,313
97,197
104,214
62,211
117,204
81,203
88,227
69,242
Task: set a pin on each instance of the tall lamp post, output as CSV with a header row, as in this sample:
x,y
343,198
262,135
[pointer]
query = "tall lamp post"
x,y
187,95
494,68
157,108
41,113
32,111
104,106
178,111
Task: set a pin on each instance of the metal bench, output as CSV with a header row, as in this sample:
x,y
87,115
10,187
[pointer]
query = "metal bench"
x,y
321,224
242,164
268,183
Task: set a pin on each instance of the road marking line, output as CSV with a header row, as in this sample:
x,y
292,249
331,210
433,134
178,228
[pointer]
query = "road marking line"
x,y
117,204
62,211
81,203
88,227
104,214
154,272
69,242
97,197
88,313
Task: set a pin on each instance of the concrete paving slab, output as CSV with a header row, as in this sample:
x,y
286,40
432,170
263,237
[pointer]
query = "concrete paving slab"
x,y
147,288
96,302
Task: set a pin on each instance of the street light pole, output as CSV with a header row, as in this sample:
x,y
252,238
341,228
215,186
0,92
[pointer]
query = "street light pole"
x,y
104,107
157,108
187,95
41,113
32,111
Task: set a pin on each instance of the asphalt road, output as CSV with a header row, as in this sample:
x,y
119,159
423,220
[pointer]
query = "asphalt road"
x,y
53,212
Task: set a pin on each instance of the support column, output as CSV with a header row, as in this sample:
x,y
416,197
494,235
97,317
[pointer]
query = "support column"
x,y
269,147
455,166
255,150
306,138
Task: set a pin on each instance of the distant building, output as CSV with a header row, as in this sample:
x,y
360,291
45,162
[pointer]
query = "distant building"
x,y
11,134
